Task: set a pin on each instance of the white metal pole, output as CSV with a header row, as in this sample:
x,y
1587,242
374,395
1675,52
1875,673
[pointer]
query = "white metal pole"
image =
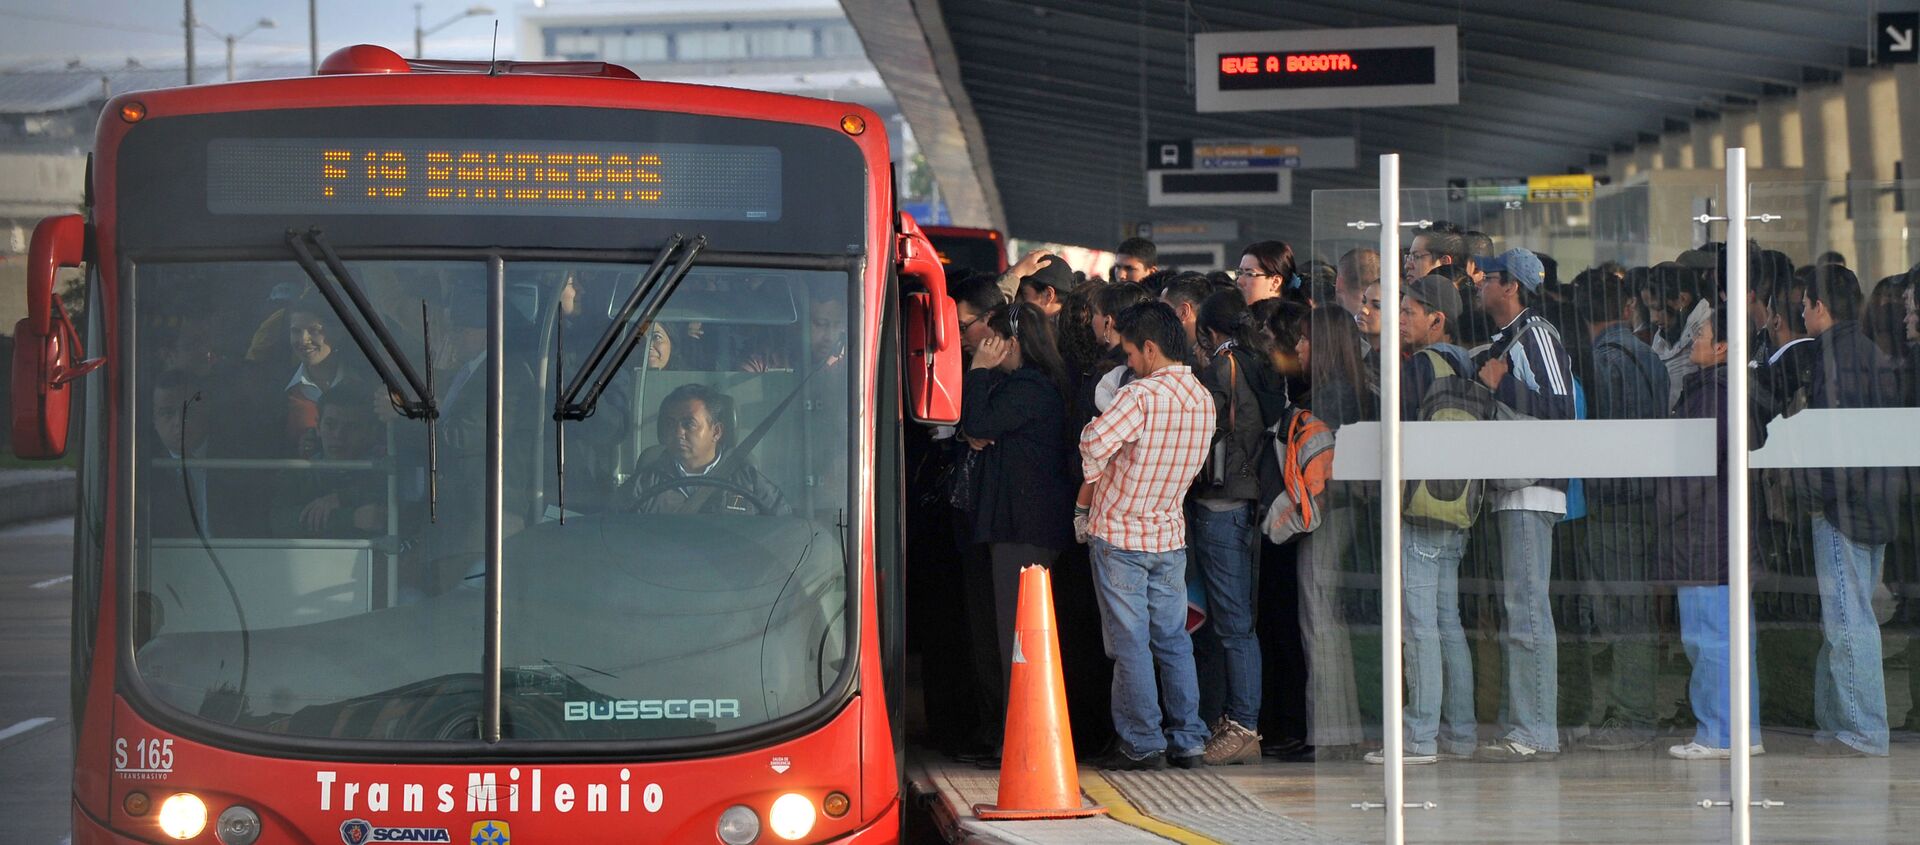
x,y
1390,623
1740,589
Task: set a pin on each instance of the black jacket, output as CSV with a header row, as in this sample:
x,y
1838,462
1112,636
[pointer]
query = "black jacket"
x,y
1851,372
1025,494
651,490
1690,510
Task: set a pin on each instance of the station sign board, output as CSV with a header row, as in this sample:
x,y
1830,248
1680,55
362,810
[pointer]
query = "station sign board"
x,y
1186,231
1283,70
1219,187
1570,187
1250,153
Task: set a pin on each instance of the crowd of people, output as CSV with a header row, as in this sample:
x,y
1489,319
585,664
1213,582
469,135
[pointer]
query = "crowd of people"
x,y
1159,439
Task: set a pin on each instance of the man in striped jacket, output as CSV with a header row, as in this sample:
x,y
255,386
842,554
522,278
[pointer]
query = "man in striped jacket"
x,y
1137,460
1528,369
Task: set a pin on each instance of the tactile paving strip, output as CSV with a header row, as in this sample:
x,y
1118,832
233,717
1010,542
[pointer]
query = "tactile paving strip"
x,y
1207,804
961,787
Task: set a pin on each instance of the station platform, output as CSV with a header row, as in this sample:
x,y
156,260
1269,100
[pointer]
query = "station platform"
x,y
1635,796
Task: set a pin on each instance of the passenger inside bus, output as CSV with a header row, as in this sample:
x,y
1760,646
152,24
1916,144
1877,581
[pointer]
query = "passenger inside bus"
x,y
689,471
313,336
335,502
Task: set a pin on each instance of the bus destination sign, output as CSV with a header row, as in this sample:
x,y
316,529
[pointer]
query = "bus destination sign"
x,y
409,176
1327,68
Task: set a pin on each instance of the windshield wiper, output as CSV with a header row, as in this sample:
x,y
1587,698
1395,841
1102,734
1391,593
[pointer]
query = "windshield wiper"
x,y
635,319
636,315
411,395
419,404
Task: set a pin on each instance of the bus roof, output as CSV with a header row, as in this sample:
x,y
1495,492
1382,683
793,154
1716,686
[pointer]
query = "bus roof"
x,y
364,75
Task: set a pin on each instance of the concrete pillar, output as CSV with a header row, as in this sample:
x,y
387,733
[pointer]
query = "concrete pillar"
x,y
1780,137
1709,143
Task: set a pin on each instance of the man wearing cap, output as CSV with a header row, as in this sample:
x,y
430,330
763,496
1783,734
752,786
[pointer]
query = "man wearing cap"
x,y
1046,288
1439,666
1528,370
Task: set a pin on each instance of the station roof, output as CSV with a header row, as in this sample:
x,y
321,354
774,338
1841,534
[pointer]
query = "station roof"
x,y
1067,92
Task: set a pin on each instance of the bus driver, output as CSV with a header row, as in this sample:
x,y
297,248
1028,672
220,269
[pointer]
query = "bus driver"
x,y
696,429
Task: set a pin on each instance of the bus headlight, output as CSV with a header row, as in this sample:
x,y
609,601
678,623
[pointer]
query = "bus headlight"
x,y
792,816
237,826
183,815
739,825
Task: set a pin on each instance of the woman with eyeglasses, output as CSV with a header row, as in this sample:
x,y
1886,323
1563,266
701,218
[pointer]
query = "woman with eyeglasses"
x,y
1265,269
1015,416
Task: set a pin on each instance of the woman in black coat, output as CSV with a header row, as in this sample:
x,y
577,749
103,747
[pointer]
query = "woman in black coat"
x,y
1691,555
1015,416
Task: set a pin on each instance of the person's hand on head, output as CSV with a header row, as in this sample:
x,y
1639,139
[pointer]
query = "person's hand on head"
x,y
992,352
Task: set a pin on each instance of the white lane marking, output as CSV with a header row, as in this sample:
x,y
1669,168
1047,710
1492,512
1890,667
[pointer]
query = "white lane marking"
x,y
22,727
52,581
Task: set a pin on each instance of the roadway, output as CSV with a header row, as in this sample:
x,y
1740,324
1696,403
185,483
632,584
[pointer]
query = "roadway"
x,y
36,733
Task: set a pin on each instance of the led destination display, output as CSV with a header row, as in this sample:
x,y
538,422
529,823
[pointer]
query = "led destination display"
x,y
406,176
1258,71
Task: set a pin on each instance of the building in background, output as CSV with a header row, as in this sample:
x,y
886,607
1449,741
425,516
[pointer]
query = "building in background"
x,y
801,47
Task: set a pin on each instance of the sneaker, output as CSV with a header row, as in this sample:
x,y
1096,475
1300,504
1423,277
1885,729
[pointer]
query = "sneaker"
x,y
1190,761
1511,751
1407,758
1449,755
1233,743
1116,758
1617,735
1696,751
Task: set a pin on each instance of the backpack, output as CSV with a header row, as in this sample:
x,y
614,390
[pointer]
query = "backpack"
x,y
1449,503
1302,449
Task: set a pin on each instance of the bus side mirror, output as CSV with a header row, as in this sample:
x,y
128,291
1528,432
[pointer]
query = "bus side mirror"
x,y
931,328
47,357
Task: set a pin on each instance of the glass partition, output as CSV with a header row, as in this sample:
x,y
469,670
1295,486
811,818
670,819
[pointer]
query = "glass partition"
x,y
1560,607
1836,583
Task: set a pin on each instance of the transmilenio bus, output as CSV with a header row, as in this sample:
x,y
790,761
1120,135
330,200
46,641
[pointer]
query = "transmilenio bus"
x,y
486,452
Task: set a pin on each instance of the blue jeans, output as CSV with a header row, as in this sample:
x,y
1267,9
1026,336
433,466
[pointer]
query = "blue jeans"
x,y
1530,712
1439,666
1704,631
1849,687
1223,551
1143,622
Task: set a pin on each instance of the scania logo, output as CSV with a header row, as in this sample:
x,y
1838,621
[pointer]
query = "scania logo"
x,y
355,831
363,832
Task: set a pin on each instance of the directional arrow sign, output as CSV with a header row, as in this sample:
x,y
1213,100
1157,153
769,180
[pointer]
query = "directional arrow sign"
x,y
1898,44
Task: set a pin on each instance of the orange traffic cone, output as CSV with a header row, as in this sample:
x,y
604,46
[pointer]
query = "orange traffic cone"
x,y
1038,778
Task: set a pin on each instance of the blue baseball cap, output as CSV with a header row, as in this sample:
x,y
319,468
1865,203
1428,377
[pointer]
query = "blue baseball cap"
x,y
1518,264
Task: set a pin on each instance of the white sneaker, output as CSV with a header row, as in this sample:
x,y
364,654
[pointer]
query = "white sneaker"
x,y
1407,758
1696,751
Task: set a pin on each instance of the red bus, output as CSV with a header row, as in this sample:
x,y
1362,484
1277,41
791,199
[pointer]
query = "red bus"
x,y
967,248
483,452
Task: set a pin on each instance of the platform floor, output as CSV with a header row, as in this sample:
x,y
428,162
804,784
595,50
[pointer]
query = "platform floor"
x,y
1588,797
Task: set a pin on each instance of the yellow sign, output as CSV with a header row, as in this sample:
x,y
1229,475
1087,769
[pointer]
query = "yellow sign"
x,y
1572,187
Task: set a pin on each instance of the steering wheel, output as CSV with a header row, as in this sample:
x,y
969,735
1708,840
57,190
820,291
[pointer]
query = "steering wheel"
x,y
759,507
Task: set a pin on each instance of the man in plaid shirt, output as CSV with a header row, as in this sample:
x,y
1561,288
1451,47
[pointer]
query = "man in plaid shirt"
x,y
1138,459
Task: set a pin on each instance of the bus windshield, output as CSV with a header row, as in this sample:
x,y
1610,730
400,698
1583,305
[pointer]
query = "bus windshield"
x,y
306,565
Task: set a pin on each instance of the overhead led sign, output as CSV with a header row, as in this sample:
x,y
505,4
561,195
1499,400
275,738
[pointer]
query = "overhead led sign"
x,y
1327,68
408,176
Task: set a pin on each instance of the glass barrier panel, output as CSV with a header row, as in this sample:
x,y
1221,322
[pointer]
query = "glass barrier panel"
x,y
1546,600
1836,562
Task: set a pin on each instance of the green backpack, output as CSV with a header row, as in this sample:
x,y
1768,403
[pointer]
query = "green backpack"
x,y
1449,503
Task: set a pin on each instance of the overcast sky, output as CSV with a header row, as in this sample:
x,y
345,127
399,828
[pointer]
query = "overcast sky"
x,y
108,32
